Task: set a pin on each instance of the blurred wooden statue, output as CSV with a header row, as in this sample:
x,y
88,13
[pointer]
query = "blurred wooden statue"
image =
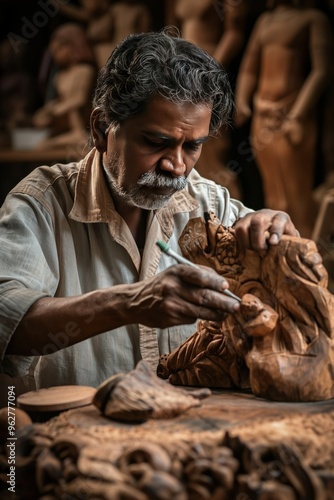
x,y
109,22
17,92
281,342
285,70
220,30
68,114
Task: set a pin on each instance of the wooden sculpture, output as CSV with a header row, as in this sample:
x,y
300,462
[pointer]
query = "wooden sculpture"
x,y
17,94
68,114
109,22
281,342
284,71
217,28
140,394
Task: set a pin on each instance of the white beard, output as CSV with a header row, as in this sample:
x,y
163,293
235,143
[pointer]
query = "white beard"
x,y
142,194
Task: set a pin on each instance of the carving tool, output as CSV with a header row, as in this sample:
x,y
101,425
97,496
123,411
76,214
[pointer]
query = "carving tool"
x,y
182,260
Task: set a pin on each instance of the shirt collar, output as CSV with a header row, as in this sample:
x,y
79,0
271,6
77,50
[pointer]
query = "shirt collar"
x,y
93,201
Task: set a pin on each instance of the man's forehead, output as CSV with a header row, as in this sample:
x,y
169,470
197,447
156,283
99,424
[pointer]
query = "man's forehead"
x,y
162,114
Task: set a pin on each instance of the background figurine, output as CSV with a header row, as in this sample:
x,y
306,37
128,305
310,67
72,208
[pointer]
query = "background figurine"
x,y
284,72
17,92
68,114
221,32
108,22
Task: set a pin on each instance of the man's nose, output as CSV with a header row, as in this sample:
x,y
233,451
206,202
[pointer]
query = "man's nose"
x,y
174,164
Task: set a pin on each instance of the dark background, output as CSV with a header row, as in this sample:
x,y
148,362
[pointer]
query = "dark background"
x,y
13,14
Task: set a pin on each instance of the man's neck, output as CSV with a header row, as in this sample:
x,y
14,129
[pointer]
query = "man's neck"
x,y
135,218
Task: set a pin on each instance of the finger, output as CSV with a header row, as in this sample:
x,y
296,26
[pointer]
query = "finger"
x,y
185,312
251,230
243,238
213,314
259,231
281,224
202,277
263,228
242,233
210,299
203,286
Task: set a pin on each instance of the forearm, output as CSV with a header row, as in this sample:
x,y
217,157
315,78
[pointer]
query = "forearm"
x,y
309,95
78,93
70,104
248,76
177,296
78,318
229,47
246,87
320,76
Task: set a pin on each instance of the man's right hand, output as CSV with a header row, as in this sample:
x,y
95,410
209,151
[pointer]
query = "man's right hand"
x,y
180,295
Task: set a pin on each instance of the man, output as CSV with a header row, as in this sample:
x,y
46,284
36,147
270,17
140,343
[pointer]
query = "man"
x,y
85,292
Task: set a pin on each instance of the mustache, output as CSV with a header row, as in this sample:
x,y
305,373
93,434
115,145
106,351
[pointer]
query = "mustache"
x,y
156,180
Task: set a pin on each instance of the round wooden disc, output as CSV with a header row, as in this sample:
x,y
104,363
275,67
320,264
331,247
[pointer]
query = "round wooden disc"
x,y
57,398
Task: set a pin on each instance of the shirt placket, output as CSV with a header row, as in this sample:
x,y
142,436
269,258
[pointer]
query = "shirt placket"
x,y
148,341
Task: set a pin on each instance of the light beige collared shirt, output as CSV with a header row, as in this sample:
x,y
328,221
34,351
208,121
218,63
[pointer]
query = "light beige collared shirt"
x,y
61,236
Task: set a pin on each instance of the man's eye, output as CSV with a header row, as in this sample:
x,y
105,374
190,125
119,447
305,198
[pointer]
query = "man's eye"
x,y
193,146
154,143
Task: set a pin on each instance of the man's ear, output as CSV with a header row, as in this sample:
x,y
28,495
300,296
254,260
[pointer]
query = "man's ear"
x,y
98,128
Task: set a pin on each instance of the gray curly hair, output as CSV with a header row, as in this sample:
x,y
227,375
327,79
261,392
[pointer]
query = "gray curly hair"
x,y
161,63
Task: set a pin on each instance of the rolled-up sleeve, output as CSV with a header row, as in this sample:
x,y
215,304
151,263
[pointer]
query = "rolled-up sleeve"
x,y
28,268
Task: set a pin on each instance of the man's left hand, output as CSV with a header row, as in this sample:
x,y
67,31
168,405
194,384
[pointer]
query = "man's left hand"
x,y
258,230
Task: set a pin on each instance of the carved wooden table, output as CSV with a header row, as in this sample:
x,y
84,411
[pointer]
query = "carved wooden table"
x,y
232,446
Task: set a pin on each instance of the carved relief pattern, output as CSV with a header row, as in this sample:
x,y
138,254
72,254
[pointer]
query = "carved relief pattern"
x,y
280,343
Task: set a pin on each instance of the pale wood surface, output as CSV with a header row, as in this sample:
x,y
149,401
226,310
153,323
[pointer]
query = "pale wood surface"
x,y
56,398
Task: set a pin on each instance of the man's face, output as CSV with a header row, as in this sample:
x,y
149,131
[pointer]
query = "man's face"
x,y
150,155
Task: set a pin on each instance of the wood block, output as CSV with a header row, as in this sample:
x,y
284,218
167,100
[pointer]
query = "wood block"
x,y
56,399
